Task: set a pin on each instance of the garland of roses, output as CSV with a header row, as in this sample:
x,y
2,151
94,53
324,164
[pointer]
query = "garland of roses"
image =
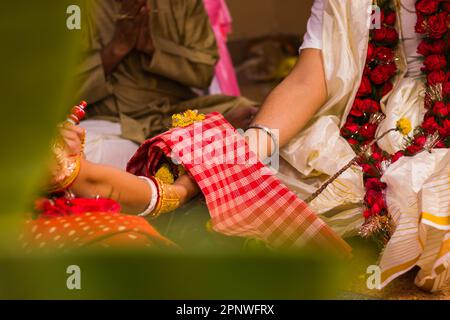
x,y
380,70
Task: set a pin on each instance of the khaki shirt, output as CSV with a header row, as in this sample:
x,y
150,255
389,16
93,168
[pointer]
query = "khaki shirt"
x,y
141,93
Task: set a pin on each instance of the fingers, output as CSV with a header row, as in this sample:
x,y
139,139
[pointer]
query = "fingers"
x,y
77,130
132,7
188,186
142,15
137,24
73,137
253,111
72,140
68,134
145,16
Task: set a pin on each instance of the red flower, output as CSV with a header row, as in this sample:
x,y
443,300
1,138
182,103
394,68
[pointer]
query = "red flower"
x,y
427,7
430,125
444,130
426,48
413,149
367,214
371,52
383,73
372,197
420,141
368,131
436,77
377,156
362,106
385,54
440,145
369,170
446,6
397,156
349,129
438,25
385,35
446,88
375,184
378,208
389,18
421,25
435,62
374,200
353,142
441,109
365,88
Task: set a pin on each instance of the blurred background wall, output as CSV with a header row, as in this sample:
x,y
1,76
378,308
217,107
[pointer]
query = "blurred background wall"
x,y
265,40
257,18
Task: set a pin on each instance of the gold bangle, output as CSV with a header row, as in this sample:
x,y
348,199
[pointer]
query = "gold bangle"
x,y
171,199
168,198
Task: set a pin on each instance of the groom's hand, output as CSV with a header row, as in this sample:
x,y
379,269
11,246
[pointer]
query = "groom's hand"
x,y
144,42
186,188
241,118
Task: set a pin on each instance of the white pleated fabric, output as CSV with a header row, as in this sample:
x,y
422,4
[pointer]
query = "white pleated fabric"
x,y
418,198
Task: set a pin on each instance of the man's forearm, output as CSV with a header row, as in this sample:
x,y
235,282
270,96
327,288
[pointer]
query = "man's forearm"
x,y
295,101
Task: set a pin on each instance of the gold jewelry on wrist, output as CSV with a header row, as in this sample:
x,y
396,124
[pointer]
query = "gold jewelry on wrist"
x,y
168,198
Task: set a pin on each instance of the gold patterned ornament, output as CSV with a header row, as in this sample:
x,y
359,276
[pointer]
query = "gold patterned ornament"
x,y
168,198
186,118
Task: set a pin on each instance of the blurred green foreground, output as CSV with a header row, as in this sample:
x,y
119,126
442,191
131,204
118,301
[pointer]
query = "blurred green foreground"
x,y
37,61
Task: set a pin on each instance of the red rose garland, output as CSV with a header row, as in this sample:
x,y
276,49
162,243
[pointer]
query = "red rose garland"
x,y
360,128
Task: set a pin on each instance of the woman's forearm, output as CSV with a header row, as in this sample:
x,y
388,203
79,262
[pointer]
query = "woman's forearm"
x,y
294,102
132,193
96,180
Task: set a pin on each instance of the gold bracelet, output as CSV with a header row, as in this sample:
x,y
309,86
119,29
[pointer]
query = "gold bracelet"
x,y
168,198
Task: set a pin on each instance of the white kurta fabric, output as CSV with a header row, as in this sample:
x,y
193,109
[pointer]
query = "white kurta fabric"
x,y
104,144
313,37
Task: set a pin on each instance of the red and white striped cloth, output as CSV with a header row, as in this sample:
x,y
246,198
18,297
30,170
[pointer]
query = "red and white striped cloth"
x,y
244,198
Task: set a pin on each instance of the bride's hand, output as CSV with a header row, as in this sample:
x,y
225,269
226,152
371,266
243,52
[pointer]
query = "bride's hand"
x,y
73,137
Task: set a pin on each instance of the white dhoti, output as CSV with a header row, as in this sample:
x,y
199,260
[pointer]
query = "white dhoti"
x,y
104,144
418,199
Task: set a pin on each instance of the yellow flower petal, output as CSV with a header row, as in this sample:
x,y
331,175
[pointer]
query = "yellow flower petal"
x,y
404,126
165,174
186,118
